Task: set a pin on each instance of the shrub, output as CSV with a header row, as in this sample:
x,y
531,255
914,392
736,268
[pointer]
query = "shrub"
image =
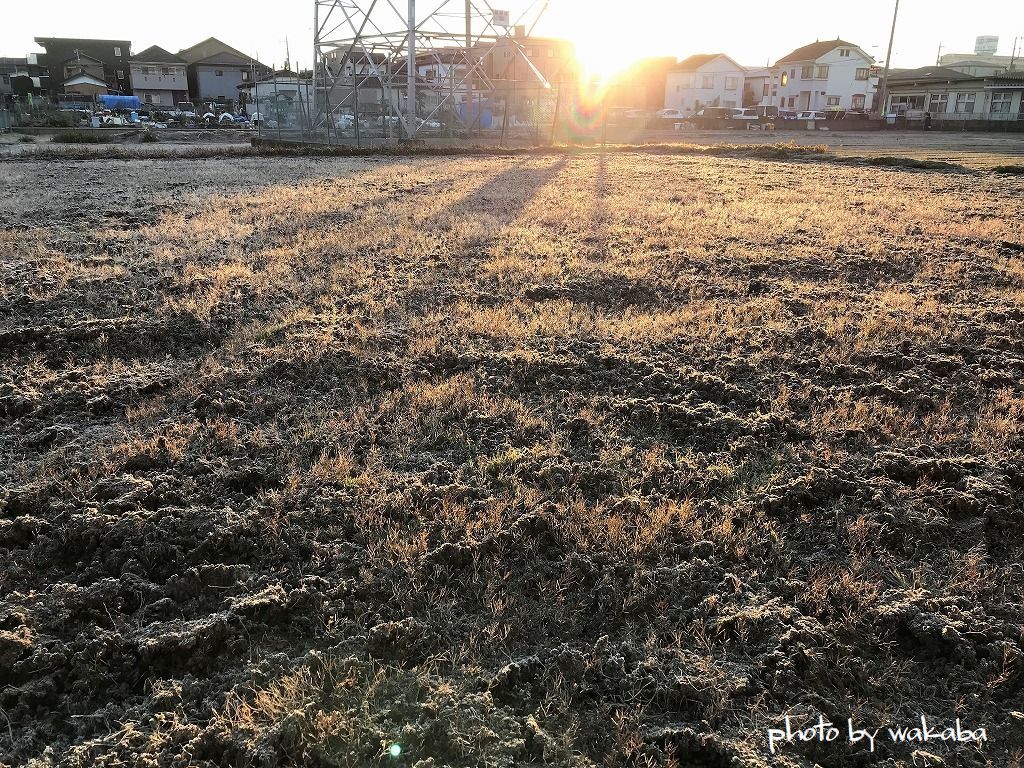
x,y
150,137
78,137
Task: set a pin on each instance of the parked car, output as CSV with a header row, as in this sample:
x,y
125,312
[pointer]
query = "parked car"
x,y
667,118
787,114
748,114
810,114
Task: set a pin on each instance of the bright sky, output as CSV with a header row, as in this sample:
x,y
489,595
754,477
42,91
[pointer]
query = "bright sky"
x,y
751,31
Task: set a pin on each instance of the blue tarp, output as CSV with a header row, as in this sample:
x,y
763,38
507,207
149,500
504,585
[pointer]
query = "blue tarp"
x,y
484,112
121,102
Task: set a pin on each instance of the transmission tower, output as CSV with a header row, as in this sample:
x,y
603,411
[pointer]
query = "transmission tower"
x,y
422,58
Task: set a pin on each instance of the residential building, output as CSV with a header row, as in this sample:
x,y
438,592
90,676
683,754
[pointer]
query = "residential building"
x,y
9,69
159,78
642,85
832,75
105,61
761,88
283,96
979,64
949,95
523,58
360,69
82,75
215,70
704,80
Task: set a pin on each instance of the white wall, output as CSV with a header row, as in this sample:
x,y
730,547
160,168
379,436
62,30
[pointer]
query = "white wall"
x,y
686,91
815,93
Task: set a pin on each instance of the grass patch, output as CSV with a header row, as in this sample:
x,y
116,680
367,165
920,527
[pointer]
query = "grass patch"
x,y
78,137
888,161
1012,170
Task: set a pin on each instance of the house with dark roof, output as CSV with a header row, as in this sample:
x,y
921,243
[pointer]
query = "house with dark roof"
x,y
829,75
113,55
215,70
159,78
704,80
951,96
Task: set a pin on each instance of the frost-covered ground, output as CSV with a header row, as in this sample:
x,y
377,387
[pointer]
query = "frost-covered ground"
x,y
572,460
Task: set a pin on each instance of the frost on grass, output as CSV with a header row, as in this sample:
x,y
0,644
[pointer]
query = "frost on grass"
x,y
574,459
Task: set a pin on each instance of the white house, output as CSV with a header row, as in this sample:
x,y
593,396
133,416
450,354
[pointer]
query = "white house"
x,y
704,80
827,76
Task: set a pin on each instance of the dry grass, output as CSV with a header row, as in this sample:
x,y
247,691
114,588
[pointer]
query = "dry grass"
x,y
526,459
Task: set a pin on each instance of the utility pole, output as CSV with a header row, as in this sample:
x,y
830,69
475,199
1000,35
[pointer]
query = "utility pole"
x,y
1013,56
938,56
883,91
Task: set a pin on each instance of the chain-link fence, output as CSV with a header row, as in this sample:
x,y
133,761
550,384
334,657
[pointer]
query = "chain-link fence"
x,y
362,111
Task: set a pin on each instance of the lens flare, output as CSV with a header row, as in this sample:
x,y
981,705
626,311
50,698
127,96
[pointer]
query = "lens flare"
x,y
585,111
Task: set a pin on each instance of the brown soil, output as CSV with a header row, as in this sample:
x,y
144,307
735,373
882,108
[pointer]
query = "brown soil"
x,y
582,460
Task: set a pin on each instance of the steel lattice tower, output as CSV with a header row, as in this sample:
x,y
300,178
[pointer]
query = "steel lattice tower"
x,y
384,44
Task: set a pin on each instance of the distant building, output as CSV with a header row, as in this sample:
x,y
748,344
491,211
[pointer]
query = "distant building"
x,y
284,96
215,70
986,44
704,80
950,95
9,69
159,78
82,75
977,64
832,75
112,56
642,85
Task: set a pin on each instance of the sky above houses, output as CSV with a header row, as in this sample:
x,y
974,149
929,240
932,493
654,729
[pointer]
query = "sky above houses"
x,y
609,35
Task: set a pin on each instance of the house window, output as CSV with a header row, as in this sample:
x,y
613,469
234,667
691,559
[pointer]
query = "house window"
x,y
147,70
219,72
823,72
245,75
938,103
862,73
765,89
120,74
807,73
902,104
117,52
730,83
551,53
832,101
148,98
965,103
857,102
1001,102
168,71
707,82
785,78
792,101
